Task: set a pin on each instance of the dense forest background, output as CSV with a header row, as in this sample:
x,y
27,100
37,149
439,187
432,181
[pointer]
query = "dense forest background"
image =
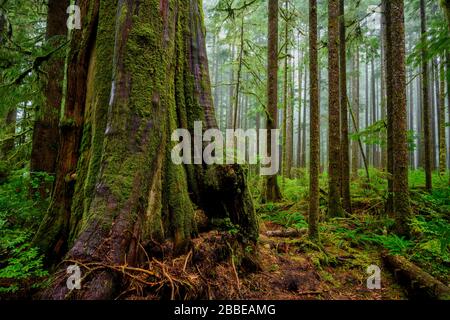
x,y
360,91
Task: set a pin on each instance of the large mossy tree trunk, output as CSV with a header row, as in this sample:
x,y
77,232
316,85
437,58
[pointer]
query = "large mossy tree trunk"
x,y
137,70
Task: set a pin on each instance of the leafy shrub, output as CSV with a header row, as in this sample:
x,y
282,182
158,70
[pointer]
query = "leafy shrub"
x,y
20,215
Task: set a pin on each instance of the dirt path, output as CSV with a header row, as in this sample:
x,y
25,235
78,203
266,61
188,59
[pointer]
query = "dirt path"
x,y
290,273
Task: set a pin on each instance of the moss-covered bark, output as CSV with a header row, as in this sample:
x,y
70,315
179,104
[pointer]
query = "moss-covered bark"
x,y
45,131
147,74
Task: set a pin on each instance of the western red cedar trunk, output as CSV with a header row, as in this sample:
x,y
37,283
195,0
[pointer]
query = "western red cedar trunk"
x,y
355,106
389,109
314,163
401,200
334,114
412,157
441,122
45,141
345,144
271,189
425,100
136,72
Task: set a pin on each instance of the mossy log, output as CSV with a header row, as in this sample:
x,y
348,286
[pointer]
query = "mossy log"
x,y
419,283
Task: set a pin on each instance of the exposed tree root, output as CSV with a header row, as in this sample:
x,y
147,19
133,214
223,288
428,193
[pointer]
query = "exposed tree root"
x,y
210,270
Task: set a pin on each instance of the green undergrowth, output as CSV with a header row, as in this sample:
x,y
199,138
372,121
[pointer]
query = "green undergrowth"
x,y
20,214
357,240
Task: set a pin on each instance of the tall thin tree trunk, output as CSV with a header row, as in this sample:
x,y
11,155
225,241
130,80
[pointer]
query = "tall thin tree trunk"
x,y
412,157
299,111
231,96
117,190
304,122
447,62
389,108
285,91
434,100
396,29
46,131
419,114
334,114
271,189
373,108
290,125
345,144
367,107
441,124
355,106
426,101
383,163
239,71
314,124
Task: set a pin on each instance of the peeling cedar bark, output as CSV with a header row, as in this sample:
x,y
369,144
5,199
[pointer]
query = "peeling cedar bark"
x,y
128,193
45,131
